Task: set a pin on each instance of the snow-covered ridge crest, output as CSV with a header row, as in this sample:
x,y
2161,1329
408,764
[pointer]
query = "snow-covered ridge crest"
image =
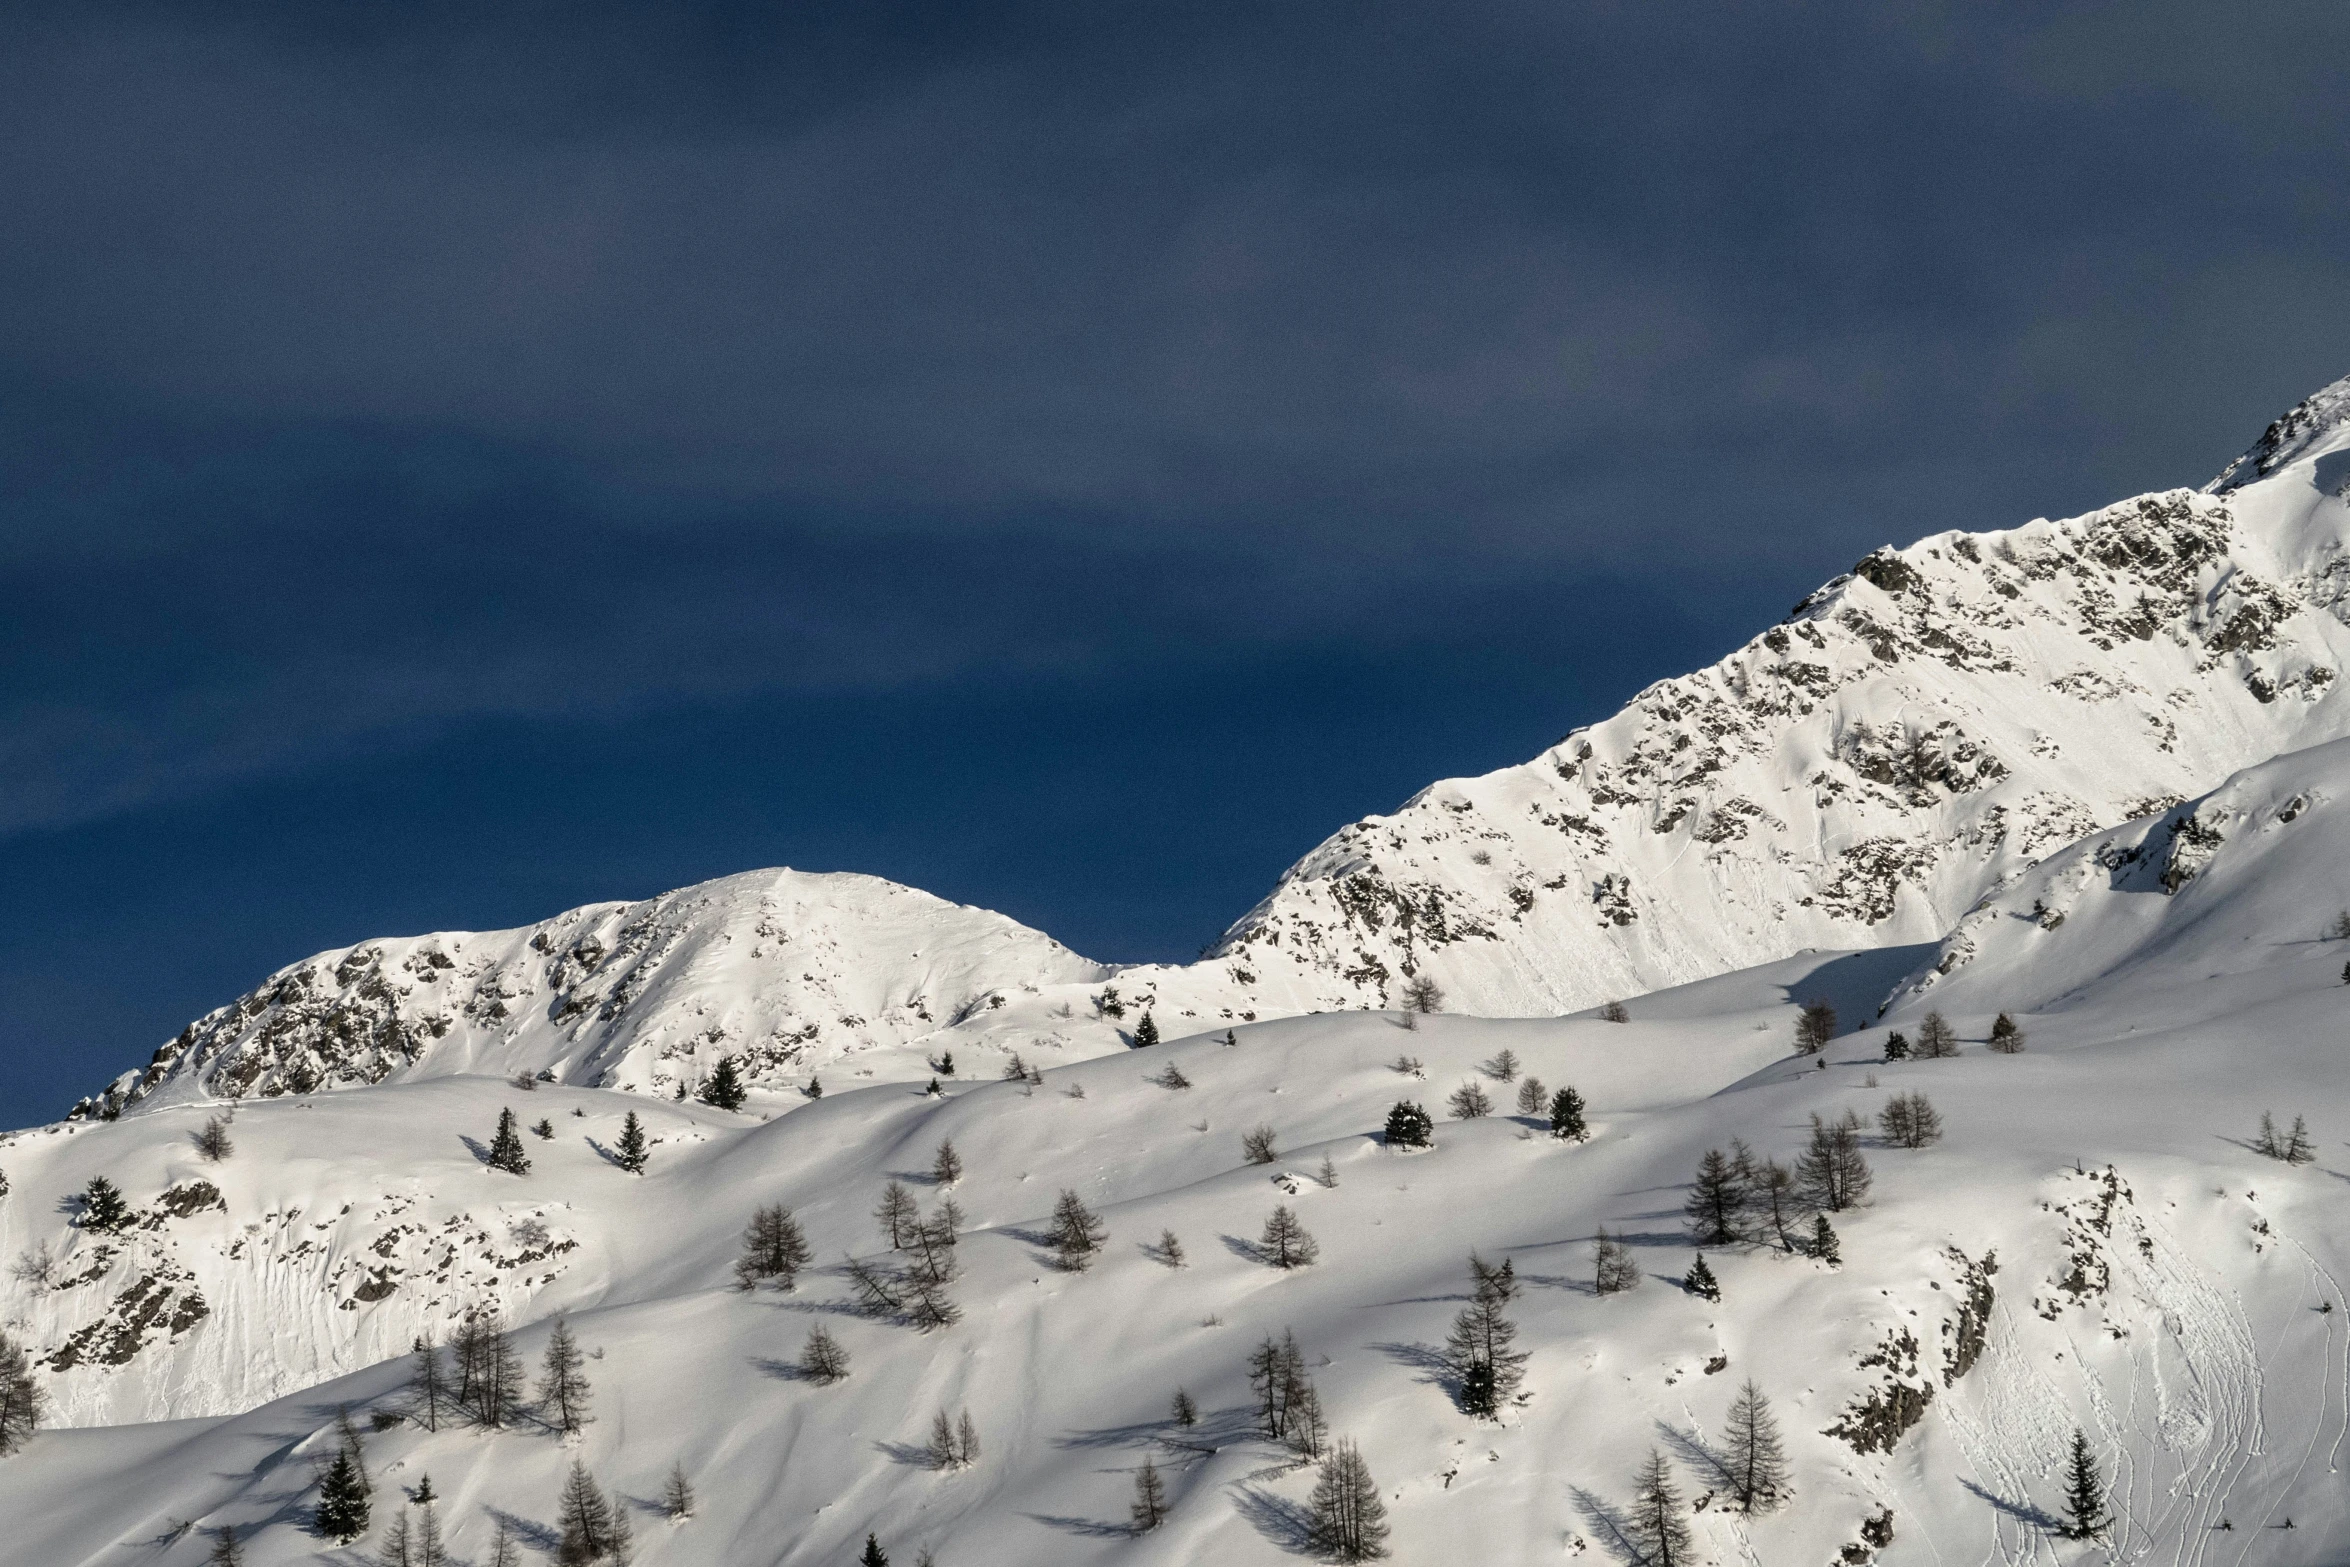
x,y
2294,434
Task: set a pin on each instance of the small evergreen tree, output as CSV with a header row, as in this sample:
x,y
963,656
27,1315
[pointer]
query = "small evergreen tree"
x,y
1423,996
2084,1493
1533,1097
947,1168
2298,1148
815,1088
1349,1520
1146,1032
1172,1077
1700,1280
226,1552
1824,1244
1937,1040
563,1385
1503,1068
399,1544
873,1555
1831,1174
966,1440
1408,1126
1910,1121
1285,1243
1613,1270
1150,1498
1614,1012
1327,1174
823,1361
1478,1352
773,1248
1815,1025
495,1381
630,1152
103,1209
430,1549
544,1131
213,1141
1184,1412
23,1401
897,1214
506,1147
1754,1459
1469,1102
941,1451
1658,1528
2268,1142
2006,1038
425,1494
725,1090
585,1517
1170,1249
1077,1233
1566,1116
1717,1200
1256,1145
342,1500
677,1493
503,1551
1897,1046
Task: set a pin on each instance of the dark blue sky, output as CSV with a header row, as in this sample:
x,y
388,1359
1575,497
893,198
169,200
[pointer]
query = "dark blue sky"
x,y
468,460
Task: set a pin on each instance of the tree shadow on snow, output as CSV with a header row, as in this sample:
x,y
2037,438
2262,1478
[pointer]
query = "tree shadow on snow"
x,y
1561,1281
1092,1528
907,1453
1141,1434
1286,1523
2022,1512
1607,1526
1692,1451
535,1536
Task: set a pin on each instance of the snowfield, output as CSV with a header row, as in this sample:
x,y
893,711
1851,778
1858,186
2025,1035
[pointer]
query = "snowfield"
x,y
2095,1242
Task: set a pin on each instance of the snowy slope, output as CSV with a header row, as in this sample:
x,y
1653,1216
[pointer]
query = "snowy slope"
x,y
1919,732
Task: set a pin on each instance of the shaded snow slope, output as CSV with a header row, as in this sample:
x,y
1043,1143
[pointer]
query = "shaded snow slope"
x,y
1919,732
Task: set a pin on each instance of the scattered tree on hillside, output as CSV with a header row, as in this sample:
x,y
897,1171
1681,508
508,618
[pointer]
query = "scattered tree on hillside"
x,y
2298,1148
1408,1065
2268,1142
1533,1097
2339,930
1077,1233
1285,1243
506,1147
725,1090
103,1209
1910,1121
1469,1102
213,1140
1107,1003
1824,1244
1936,1038
1408,1126
1774,1203
1423,995
23,1401
1146,1032
873,1555
773,1248
815,1088
347,1435
1015,1070
1287,1405
1256,1145
1815,1025
226,1552
1327,1174
2084,1493
1349,1520
1831,1174
945,1450
1658,1528
947,1168
1614,1012
677,1493
967,1439
586,1519
1897,1046
1752,1457
823,1361
897,1214
1700,1280
544,1131
1503,1068
489,1374
563,1385
431,1551
1566,1116
1172,1077
2006,1038
629,1153
1184,1412
1150,1498
428,1385
1170,1249
342,1509
424,1491
1613,1270
1717,1200
503,1551
1478,1353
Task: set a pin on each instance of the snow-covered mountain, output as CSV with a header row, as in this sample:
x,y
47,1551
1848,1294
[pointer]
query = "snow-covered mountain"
x,y
2091,774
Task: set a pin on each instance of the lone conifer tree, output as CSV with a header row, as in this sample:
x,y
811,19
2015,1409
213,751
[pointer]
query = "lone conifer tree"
x,y
491,1373
103,1209
1717,1200
1470,1102
2298,1148
1503,1068
873,1555
1408,1126
1815,1025
942,1452
947,1168
342,1500
399,1543
1256,1145
1936,1038
1479,1352
1170,1249
1831,1173
1657,1525
1700,1280
226,1552
1753,1458
966,1440
1613,1270
22,1400
1566,1116
1615,1012
1824,1244
1285,1243
563,1386
2006,1038
2084,1493
1897,1046
1423,996
1533,1097
585,1518
725,1089
2268,1142
1910,1121
1349,1520
629,1153
773,1248
677,1493
1184,1412
897,1214
1150,1498
503,1551
1146,1032
1077,1233
823,1361
506,1147
431,1550
213,1141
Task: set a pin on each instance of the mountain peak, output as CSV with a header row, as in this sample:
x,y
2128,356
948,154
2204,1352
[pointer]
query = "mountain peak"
x,y
2289,437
